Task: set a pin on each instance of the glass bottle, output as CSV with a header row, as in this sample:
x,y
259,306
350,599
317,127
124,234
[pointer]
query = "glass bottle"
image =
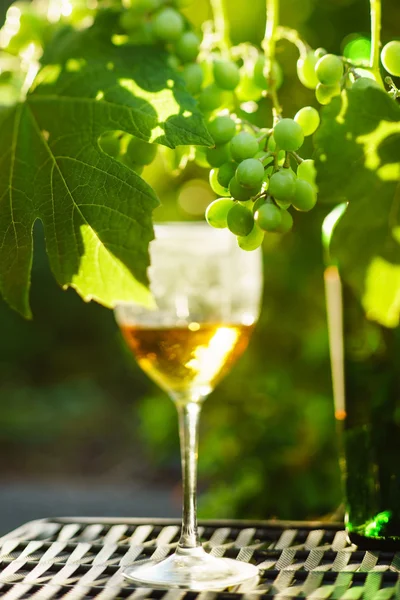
x,y
365,361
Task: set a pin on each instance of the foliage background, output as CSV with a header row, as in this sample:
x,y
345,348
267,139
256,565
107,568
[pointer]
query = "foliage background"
x,y
74,405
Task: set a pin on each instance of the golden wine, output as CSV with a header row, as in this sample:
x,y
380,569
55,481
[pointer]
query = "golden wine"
x,y
187,359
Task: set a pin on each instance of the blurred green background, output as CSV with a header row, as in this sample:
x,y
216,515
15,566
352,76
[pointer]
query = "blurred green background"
x,y
78,414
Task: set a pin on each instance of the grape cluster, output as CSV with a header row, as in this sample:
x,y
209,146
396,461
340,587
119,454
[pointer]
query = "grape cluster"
x,y
328,74
253,175
255,172
250,167
158,22
323,73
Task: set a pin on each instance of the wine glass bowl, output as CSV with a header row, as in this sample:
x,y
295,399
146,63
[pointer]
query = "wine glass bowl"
x,y
207,295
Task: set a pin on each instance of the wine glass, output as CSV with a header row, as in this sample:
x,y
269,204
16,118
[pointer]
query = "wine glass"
x,y
207,293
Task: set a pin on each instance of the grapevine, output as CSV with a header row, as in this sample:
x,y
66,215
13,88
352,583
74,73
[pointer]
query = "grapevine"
x,y
260,174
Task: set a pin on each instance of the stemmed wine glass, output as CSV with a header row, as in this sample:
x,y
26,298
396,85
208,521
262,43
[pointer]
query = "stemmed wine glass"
x,y
207,292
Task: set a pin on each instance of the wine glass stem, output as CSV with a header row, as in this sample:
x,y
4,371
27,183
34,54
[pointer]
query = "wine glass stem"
x,y
189,416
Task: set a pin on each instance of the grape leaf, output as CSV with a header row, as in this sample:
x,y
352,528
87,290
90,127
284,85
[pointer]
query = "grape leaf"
x,y
96,212
358,161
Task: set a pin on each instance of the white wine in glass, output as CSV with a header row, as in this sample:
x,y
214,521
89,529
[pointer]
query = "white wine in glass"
x,y
207,293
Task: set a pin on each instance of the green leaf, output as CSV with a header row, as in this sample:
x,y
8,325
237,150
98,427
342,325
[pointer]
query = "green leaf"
x,y
358,161
96,212
134,79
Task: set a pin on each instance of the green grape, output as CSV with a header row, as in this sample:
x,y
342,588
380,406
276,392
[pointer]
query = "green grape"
x,y
110,143
247,90
211,98
260,79
306,170
390,57
250,173
129,20
268,217
140,152
240,193
253,240
218,156
187,47
308,118
216,186
240,220
286,223
329,69
225,173
217,213
168,25
288,135
325,93
306,70
200,157
304,197
282,185
222,129
226,74
193,76
243,145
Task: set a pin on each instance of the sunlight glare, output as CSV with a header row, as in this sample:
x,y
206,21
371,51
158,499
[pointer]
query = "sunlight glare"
x,y
11,26
208,359
163,102
371,142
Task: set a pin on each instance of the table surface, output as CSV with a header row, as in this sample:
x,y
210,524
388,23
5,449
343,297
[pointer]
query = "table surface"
x,y
73,559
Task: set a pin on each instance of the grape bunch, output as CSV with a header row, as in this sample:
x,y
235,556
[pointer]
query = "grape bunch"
x,y
328,74
253,175
322,72
256,172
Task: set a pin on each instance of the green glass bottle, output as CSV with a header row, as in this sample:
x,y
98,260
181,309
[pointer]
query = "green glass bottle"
x,y
365,359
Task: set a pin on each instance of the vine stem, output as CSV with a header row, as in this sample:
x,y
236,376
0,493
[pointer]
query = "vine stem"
x,y
297,157
221,24
376,10
268,45
292,36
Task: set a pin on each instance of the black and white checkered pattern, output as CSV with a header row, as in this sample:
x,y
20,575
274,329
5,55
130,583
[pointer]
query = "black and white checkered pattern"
x,y
78,559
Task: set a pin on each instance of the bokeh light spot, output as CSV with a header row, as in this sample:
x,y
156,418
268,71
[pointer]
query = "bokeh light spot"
x,y
194,197
357,48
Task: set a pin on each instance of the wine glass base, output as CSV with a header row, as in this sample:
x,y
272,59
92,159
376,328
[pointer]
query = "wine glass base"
x,y
197,572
